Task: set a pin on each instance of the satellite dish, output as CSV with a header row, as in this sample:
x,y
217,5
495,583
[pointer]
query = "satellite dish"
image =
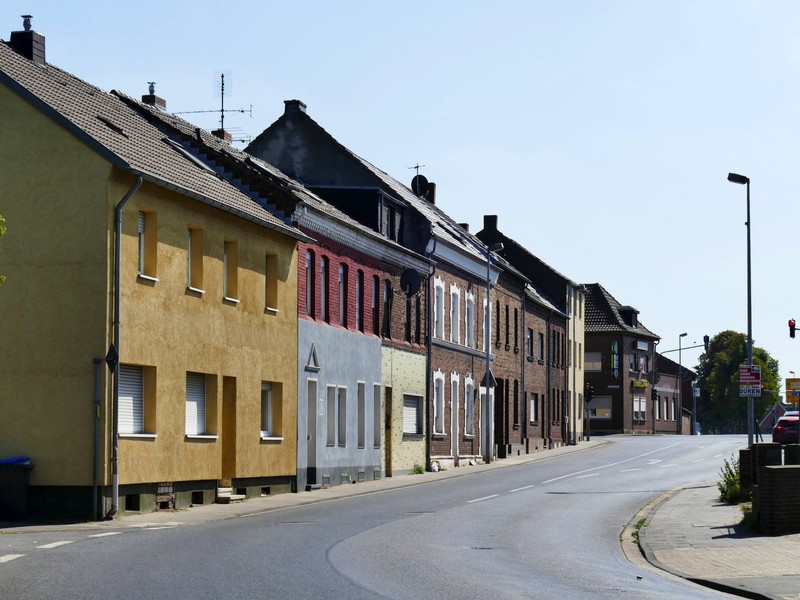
x,y
409,282
419,185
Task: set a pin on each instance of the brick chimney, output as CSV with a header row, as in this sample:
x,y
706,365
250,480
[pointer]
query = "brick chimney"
x,y
490,222
152,99
28,43
223,135
293,106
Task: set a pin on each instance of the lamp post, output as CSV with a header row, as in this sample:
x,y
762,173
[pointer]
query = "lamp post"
x,y
742,180
680,382
488,380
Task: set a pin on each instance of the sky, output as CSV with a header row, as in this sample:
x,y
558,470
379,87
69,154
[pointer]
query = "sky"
x,y
600,133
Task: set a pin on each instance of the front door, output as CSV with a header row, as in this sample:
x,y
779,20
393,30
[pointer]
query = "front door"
x,y
311,433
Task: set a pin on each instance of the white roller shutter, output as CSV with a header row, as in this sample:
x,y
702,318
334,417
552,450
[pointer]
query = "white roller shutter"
x,y
411,416
131,399
195,404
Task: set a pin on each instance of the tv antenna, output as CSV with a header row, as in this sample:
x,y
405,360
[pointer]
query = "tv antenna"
x,y
222,110
417,167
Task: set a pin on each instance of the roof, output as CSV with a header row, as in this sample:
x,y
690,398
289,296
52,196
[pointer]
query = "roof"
x,y
109,125
604,314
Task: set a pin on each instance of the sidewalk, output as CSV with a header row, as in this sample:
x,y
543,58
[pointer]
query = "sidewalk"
x,y
690,533
208,513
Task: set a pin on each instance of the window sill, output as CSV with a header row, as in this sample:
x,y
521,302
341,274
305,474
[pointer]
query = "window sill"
x,y
139,436
469,436
201,436
268,310
530,358
147,277
407,435
271,438
231,300
195,290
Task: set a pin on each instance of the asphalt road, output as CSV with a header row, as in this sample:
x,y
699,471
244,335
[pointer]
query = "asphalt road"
x,y
539,530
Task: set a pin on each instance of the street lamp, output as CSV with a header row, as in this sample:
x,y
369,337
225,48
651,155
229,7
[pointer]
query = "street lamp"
x,y
742,180
680,384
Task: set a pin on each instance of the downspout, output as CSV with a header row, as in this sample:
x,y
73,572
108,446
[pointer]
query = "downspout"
x,y
565,408
429,357
523,362
115,400
550,398
97,362
574,367
653,393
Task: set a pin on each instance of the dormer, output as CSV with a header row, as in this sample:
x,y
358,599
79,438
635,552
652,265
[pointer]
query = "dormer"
x,y
629,316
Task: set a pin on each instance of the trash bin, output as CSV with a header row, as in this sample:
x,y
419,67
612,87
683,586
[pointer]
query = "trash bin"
x,y
14,477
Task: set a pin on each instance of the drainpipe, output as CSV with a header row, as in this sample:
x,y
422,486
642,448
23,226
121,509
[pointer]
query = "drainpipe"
x,y
115,400
523,362
97,362
428,354
550,398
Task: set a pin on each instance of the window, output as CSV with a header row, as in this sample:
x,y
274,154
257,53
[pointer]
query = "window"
x,y
361,408
516,330
387,308
417,318
508,330
454,397
323,289
541,346
487,325
516,403
343,295
639,408
438,403
148,244
407,318
657,410
529,343
534,414
131,399
195,404
342,408
376,415
376,322
438,308
194,260
469,406
497,322
310,284
230,251
271,282
632,362
360,300
672,403
580,355
455,314
267,429
469,320
331,416
593,361
600,407
666,409
412,415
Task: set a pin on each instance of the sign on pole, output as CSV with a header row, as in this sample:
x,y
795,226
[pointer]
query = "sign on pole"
x,y
749,381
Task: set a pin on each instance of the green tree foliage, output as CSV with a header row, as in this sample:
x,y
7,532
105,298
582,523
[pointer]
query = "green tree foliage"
x,y
719,408
2,233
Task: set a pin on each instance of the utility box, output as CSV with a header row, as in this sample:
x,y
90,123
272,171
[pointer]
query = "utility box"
x,y
14,477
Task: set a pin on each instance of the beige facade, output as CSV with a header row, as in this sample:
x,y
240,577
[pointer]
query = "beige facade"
x,y
576,305
403,374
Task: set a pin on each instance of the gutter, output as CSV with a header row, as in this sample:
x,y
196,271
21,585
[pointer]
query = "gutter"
x,y
117,293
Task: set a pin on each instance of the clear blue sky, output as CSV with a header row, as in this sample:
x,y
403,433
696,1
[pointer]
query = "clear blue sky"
x,y
600,133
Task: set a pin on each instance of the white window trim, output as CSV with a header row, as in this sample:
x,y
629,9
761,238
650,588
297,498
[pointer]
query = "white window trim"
x,y
143,436
469,323
469,423
198,436
455,319
438,379
438,308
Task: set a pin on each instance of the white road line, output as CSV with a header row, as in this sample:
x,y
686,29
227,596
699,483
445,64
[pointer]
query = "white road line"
x,y
527,487
10,557
698,460
655,461
629,470
717,455
153,525
668,465
53,545
482,499
157,528
589,475
614,464
97,535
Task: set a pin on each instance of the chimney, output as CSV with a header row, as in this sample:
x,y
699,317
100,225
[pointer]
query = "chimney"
x,y
464,226
223,135
28,43
152,99
431,195
490,222
293,106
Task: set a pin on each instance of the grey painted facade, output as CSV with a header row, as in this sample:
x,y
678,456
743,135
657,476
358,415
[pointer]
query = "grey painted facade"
x,y
334,364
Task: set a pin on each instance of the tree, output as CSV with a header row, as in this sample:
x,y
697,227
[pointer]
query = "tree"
x,y
719,408
2,233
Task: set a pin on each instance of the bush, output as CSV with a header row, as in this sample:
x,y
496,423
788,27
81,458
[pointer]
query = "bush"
x,y
729,490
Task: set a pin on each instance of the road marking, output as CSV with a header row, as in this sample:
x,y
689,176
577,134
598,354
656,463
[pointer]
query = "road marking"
x,y
717,455
614,464
10,557
655,461
53,545
629,470
97,535
589,475
668,465
482,499
527,487
157,528
153,525
698,460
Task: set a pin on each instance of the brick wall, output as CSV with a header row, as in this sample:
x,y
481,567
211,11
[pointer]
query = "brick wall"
x,y
779,499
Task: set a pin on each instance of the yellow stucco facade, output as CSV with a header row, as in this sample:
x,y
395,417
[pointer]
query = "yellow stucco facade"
x,y
58,198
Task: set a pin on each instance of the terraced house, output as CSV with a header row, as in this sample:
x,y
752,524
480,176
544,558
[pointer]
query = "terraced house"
x,y
455,291
137,244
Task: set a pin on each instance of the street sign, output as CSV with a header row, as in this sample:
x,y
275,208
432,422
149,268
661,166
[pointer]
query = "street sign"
x,y
749,381
792,385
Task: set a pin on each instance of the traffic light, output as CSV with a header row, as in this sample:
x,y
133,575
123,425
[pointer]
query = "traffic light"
x,y
705,342
589,393
791,328
655,394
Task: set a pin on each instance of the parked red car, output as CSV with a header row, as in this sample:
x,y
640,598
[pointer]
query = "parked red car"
x,y
785,430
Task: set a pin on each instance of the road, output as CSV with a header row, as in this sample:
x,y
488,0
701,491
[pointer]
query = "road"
x,y
545,529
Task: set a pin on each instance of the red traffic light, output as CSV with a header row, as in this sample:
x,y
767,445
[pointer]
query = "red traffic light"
x,y
791,328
